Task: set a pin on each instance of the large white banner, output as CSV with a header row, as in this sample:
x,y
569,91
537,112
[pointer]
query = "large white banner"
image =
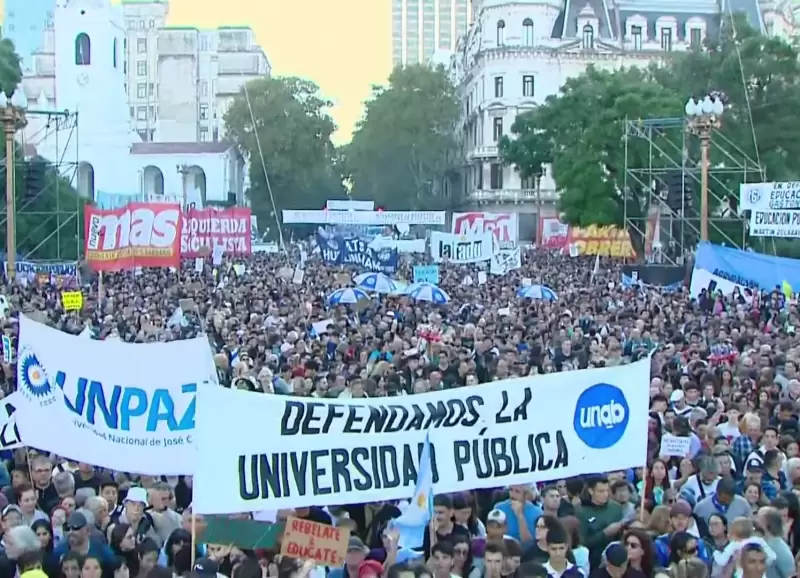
x,y
127,407
310,217
462,248
774,208
266,452
504,226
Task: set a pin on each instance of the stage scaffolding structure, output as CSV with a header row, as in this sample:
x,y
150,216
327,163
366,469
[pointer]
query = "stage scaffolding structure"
x,y
59,129
663,154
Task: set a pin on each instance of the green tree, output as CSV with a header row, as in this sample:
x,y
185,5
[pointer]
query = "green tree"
x,y
405,145
759,78
581,132
282,127
10,70
48,210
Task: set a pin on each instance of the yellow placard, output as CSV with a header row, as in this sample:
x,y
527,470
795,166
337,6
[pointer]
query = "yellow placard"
x,y
72,300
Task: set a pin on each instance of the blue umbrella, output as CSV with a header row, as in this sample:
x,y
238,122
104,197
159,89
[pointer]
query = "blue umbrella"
x,y
537,292
428,292
377,282
346,296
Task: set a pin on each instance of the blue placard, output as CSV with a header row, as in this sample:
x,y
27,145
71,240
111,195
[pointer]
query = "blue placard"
x,y
337,250
426,274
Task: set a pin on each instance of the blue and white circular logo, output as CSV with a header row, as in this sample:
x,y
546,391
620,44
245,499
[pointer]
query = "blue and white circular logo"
x,y
31,377
601,416
754,196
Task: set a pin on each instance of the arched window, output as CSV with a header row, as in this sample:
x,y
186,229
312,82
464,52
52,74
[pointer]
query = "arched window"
x,y
83,50
588,37
501,33
114,54
527,32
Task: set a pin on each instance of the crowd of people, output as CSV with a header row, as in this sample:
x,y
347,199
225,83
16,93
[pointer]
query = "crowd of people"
x,y
724,373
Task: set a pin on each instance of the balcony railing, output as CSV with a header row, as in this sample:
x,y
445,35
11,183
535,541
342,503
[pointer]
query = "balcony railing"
x,y
512,195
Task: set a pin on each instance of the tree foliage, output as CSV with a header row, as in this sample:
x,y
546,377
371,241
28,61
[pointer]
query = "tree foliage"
x,y
581,129
581,133
403,148
283,129
48,210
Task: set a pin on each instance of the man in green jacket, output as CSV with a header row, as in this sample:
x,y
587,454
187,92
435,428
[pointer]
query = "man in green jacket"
x,y
600,518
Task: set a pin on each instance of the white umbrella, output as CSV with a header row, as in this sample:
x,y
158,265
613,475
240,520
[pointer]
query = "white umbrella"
x,y
428,292
377,282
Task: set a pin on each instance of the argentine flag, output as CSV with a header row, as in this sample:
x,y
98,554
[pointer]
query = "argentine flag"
x,y
413,522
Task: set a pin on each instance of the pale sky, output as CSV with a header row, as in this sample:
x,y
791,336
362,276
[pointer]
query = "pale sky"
x,y
342,45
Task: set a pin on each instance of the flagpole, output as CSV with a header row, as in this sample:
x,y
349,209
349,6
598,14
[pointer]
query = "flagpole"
x,y
194,539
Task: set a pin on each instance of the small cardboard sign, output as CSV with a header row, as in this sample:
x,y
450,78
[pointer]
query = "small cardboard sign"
x,y
72,300
342,278
672,445
308,540
286,273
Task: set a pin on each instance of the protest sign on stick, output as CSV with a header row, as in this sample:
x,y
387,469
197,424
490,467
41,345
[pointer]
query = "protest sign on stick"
x,y
314,541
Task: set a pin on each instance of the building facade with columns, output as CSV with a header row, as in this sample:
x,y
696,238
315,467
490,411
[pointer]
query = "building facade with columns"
x,y
519,52
110,159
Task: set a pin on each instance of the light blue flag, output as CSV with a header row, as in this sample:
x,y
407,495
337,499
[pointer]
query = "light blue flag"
x,y
413,522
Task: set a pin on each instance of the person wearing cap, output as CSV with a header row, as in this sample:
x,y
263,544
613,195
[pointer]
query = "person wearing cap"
x,y
205,568
80,541
356,554
678,401
723,501
616,566
134,514
680,520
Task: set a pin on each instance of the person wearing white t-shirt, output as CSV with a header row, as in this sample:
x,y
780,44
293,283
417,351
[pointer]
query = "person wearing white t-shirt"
x,y
730,429
704,483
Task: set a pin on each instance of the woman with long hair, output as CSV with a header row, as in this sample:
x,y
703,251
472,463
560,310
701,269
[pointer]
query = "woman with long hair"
x,y
641,551
682,546
462,556
45,535
656,485
123,544
581,552
538,552
659,521
717,539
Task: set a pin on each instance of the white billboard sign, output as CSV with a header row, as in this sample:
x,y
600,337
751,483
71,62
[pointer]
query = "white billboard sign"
x,y
310,217
338,205
774,208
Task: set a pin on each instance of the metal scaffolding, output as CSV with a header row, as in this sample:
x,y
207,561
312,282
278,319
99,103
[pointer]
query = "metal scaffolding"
x,y
62,222
664,152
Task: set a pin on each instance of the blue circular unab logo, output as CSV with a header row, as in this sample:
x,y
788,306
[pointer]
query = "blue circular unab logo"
x,y
601,416
32,377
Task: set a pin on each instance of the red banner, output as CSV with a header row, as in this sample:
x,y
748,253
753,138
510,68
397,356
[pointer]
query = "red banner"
x,y
203,229
593,240
139,235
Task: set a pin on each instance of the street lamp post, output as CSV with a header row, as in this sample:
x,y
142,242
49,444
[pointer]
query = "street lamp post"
x,y
703,116
12,111
183,171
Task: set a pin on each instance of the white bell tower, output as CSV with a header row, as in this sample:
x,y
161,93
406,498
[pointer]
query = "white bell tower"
x,y
90,79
